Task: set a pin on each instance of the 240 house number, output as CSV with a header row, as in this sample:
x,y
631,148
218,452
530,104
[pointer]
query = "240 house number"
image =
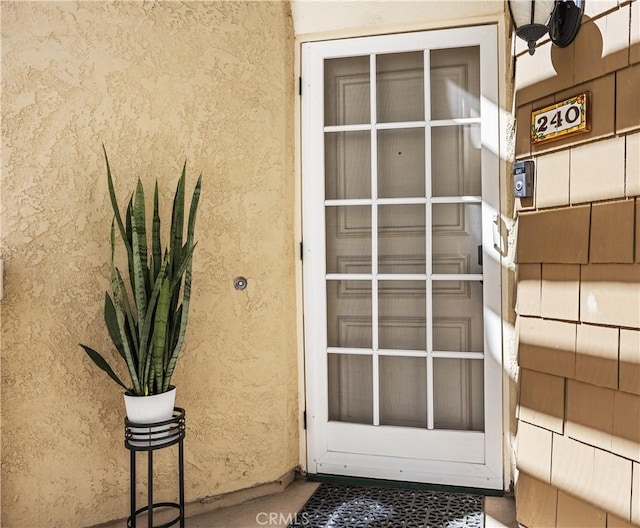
x,y
559,120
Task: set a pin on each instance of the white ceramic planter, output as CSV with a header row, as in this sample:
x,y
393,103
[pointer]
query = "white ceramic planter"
x,y
150,409
147,410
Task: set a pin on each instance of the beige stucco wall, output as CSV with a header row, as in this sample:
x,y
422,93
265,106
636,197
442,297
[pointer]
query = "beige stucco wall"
x,y
157,82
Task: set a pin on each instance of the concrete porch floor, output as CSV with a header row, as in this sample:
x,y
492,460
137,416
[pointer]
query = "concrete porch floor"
x,y
278,509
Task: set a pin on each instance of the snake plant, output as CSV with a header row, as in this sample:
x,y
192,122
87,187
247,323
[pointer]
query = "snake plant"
x,y
148,330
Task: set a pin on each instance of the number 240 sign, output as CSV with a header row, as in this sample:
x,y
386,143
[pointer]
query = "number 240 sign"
x,y
561,119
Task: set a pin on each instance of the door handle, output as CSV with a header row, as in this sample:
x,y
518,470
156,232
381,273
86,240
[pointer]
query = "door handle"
x,y
498,239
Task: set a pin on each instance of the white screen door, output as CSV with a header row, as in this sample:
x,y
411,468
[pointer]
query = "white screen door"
x,y
401,278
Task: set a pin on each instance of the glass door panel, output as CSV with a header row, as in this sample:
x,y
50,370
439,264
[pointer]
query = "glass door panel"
x,y
347,164
455,161
346,95
457,392
401,239
349,314
400,87
455,83
457,238
350,388
348,238
403,391
457,316
402,315
401,163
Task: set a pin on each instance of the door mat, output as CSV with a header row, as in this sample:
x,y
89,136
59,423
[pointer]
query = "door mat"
x,y
345,506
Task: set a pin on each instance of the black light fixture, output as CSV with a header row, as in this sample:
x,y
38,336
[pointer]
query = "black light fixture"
x,y
534,18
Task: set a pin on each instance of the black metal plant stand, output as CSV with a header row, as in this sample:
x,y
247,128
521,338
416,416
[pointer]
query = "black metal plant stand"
x,y
150,438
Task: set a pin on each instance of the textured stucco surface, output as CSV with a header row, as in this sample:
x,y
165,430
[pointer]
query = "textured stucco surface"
x,y
158,83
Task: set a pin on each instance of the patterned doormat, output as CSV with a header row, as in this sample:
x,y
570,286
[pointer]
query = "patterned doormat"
x,y
344,506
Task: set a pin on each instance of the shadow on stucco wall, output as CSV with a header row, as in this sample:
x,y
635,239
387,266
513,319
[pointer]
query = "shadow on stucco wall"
x,y
157,83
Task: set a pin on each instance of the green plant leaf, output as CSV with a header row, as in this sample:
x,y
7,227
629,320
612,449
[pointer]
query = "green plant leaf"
x,y
145,342
175,333
140,273
131,363
110,319
103,365
195,199
155,236
186,296
175,321
131,325
129,226
183,327
117,285
142,233
119,302
129,234
160,332
182,267
177,221
114,202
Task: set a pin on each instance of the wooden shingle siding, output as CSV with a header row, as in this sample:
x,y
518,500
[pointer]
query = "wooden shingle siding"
x,y
610,294
542,400
629,380
578,282
558,236
547,346
560,292
597,171
627,99
612,232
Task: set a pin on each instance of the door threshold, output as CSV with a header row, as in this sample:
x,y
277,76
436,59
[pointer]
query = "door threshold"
x,y
361,481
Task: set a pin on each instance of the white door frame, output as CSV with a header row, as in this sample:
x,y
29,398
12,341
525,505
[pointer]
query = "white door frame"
x,y
489,474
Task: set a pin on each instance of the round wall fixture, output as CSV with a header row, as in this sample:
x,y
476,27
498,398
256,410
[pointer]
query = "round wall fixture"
x,y
239,283
533,19
565,22
530,20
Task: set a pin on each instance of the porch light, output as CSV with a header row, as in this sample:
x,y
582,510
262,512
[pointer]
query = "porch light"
x,y
532,19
